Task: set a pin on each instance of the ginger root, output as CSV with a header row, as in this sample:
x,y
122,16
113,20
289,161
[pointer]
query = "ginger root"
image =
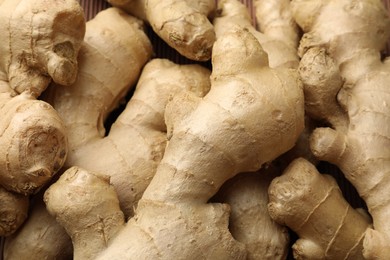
x,y
41,42
226,132
281,50
182,24
130,152
300,199
358,140
249,221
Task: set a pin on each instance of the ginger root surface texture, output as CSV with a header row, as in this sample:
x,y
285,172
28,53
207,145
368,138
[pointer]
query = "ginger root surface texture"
x,y
130,152
40,43
357,142
182,24
282,52
226,132
136,141
249,221
300,199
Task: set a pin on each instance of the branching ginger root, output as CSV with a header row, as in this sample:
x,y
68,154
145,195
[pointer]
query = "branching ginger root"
x,y
247,194
182,24
40,43
281,50
300,199
358,142
249,221
130,152
228,131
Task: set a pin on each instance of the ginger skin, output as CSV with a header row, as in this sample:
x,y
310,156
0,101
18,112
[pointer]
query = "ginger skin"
x,y
136,141
13,211
359,146
130,152
246,194
300,198
249,221
182,24
226,132
41,42
281,51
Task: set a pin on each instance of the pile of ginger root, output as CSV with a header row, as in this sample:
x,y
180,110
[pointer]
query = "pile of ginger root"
x,y
180,129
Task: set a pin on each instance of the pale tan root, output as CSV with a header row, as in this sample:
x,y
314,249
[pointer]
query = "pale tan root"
x,y
228,132
107,73
182,24
321,83
130,152
33,151
13,211
92,232
40,42
301,198
353,39
40,237
232,13
249,222
274,19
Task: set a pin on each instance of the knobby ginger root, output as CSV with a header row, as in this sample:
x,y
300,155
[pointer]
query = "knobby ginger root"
x,y
129,154
228,131
136,141
40,43
281,51
182,24
249,222
40,237
300,199
13,211
360,146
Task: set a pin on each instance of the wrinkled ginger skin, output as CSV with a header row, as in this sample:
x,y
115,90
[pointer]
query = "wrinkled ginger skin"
x,y
353,38
40,42
137,139
300,198
173,219
107,73
249,221
92,232
182,24
281,51
13,211
31,241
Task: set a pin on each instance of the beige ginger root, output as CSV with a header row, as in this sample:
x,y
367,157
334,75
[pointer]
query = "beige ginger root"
x,y
228,131
281,50
359,146
247,196
136,141
40,43
312,205
40,237
13,211
249,222
129,154
182,24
